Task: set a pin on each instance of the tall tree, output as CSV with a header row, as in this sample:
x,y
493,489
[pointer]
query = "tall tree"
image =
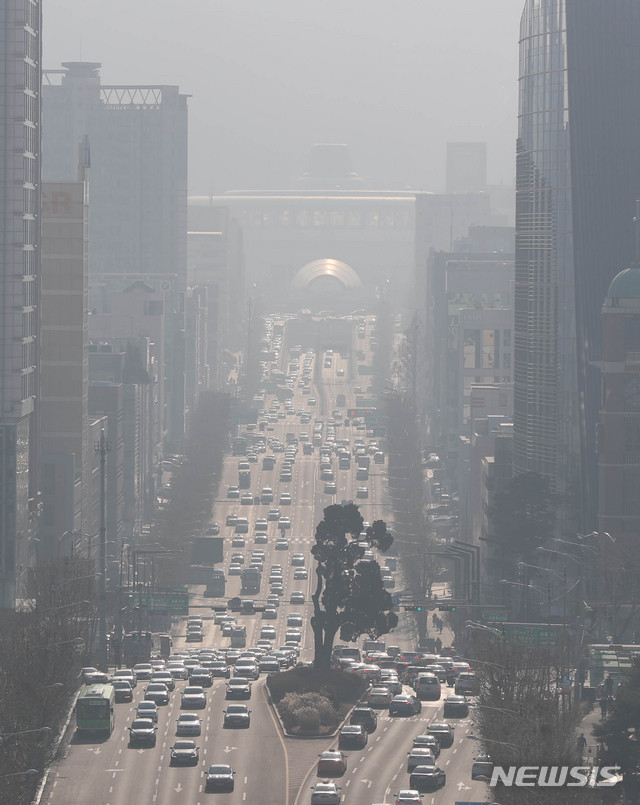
x,y
349,597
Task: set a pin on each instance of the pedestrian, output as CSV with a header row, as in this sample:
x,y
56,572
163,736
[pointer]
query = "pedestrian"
x,y
610,702
434,620
582,744
603,706
438,644
608,685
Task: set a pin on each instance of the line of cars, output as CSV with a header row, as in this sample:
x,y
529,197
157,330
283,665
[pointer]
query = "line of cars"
x,y
387,672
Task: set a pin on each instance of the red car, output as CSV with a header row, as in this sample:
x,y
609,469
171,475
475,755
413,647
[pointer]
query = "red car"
x,y
332,764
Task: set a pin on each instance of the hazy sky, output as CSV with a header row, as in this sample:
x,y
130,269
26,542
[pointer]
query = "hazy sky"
x,y
268,78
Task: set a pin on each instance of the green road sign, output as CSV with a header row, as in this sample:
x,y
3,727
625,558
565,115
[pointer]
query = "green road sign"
x,y
161,602
495,617
524,634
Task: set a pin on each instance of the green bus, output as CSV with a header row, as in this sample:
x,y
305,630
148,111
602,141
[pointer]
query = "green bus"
x,y
95,711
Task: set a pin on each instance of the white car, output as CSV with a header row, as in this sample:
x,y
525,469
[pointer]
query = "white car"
x,y
189,724
325,793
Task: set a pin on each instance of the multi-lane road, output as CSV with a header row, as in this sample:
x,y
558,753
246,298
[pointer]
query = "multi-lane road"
x,y
271,769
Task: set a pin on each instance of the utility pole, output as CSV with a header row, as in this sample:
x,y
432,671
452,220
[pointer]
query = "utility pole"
x,y
102,447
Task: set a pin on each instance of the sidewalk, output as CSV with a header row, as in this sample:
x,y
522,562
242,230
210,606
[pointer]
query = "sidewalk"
x,y
586,726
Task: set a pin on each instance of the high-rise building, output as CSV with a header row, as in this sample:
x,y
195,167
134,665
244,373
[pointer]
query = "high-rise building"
x,y
20,80
138,193
577,177
466,167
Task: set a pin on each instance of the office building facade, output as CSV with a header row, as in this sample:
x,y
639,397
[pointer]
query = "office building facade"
x,y
138,194
577,176
20,80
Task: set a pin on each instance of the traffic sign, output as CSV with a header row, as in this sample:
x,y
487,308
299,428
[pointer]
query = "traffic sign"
x,y
160,602
395,600
524,634
495,617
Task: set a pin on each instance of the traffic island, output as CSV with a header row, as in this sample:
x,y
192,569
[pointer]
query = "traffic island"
x,y
311,702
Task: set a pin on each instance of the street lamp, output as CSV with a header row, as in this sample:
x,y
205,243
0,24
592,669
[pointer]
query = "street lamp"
x,y
73,580
26,773
513,713
597,534
25,732
65,606
490,741
78,641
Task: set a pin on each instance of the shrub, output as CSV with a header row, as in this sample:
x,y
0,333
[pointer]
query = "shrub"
x,y
314,702
307,720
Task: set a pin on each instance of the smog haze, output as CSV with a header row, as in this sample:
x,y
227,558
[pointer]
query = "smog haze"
x,y
267,80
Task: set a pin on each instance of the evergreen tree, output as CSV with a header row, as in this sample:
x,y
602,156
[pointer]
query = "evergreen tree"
x,y
349,597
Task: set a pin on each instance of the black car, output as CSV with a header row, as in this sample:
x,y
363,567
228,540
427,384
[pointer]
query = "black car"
x,y
185,753
142,732
455,707
427,778
443,732
219,778
404,705
366,717
202,677
352,736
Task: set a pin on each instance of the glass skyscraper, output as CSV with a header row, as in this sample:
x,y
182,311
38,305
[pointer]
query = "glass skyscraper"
x,y
577,178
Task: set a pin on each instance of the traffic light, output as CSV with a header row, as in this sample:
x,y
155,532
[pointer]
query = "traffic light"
x,y
413,608
447,608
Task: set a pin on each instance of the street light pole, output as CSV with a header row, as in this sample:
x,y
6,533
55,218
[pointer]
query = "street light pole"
x,y
102,448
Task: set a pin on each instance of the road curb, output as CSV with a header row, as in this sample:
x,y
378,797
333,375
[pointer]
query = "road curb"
x,y
56,747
